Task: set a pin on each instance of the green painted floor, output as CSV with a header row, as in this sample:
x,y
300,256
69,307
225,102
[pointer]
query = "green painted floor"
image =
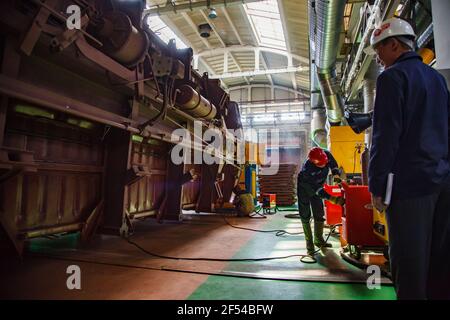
x,y
264,245
223,288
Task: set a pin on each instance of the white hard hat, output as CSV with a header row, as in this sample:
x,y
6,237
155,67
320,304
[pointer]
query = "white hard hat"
x,y
393,27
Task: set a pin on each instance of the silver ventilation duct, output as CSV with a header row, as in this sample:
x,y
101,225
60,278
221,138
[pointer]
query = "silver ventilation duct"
x,y
328,18
369,90
319,134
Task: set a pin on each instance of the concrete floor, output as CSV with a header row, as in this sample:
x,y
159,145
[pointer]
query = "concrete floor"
x,y
111,268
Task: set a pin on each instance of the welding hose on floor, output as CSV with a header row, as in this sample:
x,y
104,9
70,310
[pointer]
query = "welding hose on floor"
x,y
168,269
278,232
301,256
289,215
210,259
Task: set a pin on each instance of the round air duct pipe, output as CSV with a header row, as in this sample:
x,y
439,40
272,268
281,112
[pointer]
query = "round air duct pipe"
x,y
121,40
328,21
319,134
369,92
195,104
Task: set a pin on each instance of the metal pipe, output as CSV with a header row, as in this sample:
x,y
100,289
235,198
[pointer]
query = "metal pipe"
x,y
195,104
122,41
331,95
318,131
328,18
40,96
319,135
369,91
374,15
51,230
191,6
425,37
315,96
142,214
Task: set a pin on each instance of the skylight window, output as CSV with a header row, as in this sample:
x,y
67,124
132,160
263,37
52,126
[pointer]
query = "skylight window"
x,y
164,32
266,20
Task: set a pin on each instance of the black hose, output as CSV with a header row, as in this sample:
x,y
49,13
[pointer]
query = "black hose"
x,y
278,232
210,259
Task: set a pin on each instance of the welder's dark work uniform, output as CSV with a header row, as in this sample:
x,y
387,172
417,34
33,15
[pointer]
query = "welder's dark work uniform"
x,y
411,140
310,190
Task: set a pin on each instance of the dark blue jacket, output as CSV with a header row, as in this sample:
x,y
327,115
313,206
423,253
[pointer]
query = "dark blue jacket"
x,y
312,177
410,129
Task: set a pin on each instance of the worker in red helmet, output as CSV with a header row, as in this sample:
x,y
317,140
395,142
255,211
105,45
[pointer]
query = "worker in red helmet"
x,y
310,193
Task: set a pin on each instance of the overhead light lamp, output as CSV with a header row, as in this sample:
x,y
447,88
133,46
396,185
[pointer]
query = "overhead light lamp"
x,y
212,13
205,30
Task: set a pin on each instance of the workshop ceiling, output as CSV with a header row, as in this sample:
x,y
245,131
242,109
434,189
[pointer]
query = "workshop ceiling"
x,y
259,42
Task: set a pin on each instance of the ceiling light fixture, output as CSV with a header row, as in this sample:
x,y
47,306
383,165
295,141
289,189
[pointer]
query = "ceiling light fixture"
x,y
212,13
205,30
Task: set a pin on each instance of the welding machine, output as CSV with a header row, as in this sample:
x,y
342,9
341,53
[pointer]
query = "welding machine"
x,y
357,220
269,202
333,212
380,227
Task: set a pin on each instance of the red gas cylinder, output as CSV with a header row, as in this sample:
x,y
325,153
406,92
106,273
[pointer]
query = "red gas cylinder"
x,y
333,212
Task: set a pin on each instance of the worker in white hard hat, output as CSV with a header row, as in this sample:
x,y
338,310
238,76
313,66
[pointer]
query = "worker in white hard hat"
x,y
394,27
411,140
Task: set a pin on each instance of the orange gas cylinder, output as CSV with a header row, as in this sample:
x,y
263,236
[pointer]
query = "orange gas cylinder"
x,y
333,212
357,217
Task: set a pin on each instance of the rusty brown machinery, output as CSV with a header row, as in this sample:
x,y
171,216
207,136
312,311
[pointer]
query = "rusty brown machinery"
x,y
86,118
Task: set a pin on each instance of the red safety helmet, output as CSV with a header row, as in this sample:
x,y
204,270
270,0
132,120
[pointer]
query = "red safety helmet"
x,y
318,157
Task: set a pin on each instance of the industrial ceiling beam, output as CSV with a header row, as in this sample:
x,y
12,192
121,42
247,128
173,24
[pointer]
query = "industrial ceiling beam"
x,y
258,72
225,57
238,36
264,62
288,44
233,27
207,44
236,33
278,87
257,50
191,6
246,48
194,27
174,28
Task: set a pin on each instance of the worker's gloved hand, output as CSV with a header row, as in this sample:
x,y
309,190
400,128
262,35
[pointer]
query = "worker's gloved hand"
x,y
337,179
337,200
